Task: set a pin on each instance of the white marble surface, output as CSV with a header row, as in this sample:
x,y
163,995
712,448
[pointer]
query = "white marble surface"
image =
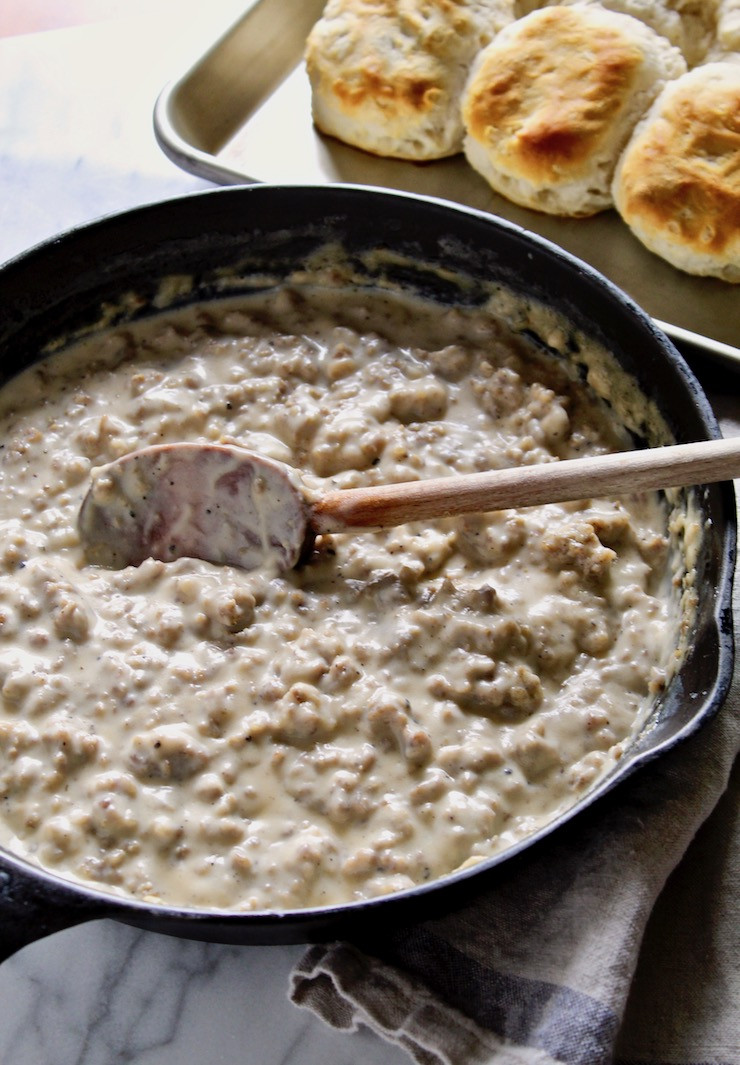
x,y
104,993
76,137
76,142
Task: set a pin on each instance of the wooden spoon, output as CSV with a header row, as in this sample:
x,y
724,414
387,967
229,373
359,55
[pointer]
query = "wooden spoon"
x,y
225,504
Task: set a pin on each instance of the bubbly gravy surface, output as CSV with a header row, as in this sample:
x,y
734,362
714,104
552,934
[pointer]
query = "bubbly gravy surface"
x,y
408,702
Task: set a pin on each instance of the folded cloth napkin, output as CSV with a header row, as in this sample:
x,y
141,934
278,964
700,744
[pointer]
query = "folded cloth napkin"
x,y
538,969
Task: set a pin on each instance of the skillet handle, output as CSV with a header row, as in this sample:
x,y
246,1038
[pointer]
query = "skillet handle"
x,y
33,906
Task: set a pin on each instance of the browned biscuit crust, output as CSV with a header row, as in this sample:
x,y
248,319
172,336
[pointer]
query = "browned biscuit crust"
x,y
550,104
386,75
678,183
553,101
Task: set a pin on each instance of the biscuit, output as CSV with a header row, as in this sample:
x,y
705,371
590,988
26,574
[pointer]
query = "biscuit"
x,y
677,185
386,75
550,104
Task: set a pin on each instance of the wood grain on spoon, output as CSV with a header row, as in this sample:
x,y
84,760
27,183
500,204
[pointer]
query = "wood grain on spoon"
x,y
227,505
616,474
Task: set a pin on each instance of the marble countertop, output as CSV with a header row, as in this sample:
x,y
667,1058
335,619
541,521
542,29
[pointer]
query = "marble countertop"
x,y
76,142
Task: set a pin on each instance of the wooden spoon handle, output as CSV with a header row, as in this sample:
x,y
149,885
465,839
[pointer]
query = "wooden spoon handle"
x,y
524,486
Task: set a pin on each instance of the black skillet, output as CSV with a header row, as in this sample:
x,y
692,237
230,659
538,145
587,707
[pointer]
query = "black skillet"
x,y
59,288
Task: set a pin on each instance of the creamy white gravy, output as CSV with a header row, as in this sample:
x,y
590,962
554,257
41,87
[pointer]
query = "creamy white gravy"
x,y
410,701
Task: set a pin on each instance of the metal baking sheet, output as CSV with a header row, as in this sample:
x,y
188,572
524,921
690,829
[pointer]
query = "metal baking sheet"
x,y
242,113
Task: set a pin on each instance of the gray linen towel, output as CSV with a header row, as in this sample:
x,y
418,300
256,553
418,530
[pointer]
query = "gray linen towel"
x,y
538,969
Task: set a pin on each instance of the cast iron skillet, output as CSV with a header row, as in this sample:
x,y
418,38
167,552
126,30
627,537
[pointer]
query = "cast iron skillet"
x,y
59,288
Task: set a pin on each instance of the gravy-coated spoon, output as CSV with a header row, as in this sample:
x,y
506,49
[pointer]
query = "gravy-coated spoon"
x,y
225,504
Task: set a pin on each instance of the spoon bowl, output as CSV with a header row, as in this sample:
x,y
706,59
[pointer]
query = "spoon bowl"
x,y
219,503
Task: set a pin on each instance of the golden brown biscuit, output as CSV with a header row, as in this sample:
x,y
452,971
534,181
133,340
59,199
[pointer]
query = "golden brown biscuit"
x,y
677,185
386,75
552,101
